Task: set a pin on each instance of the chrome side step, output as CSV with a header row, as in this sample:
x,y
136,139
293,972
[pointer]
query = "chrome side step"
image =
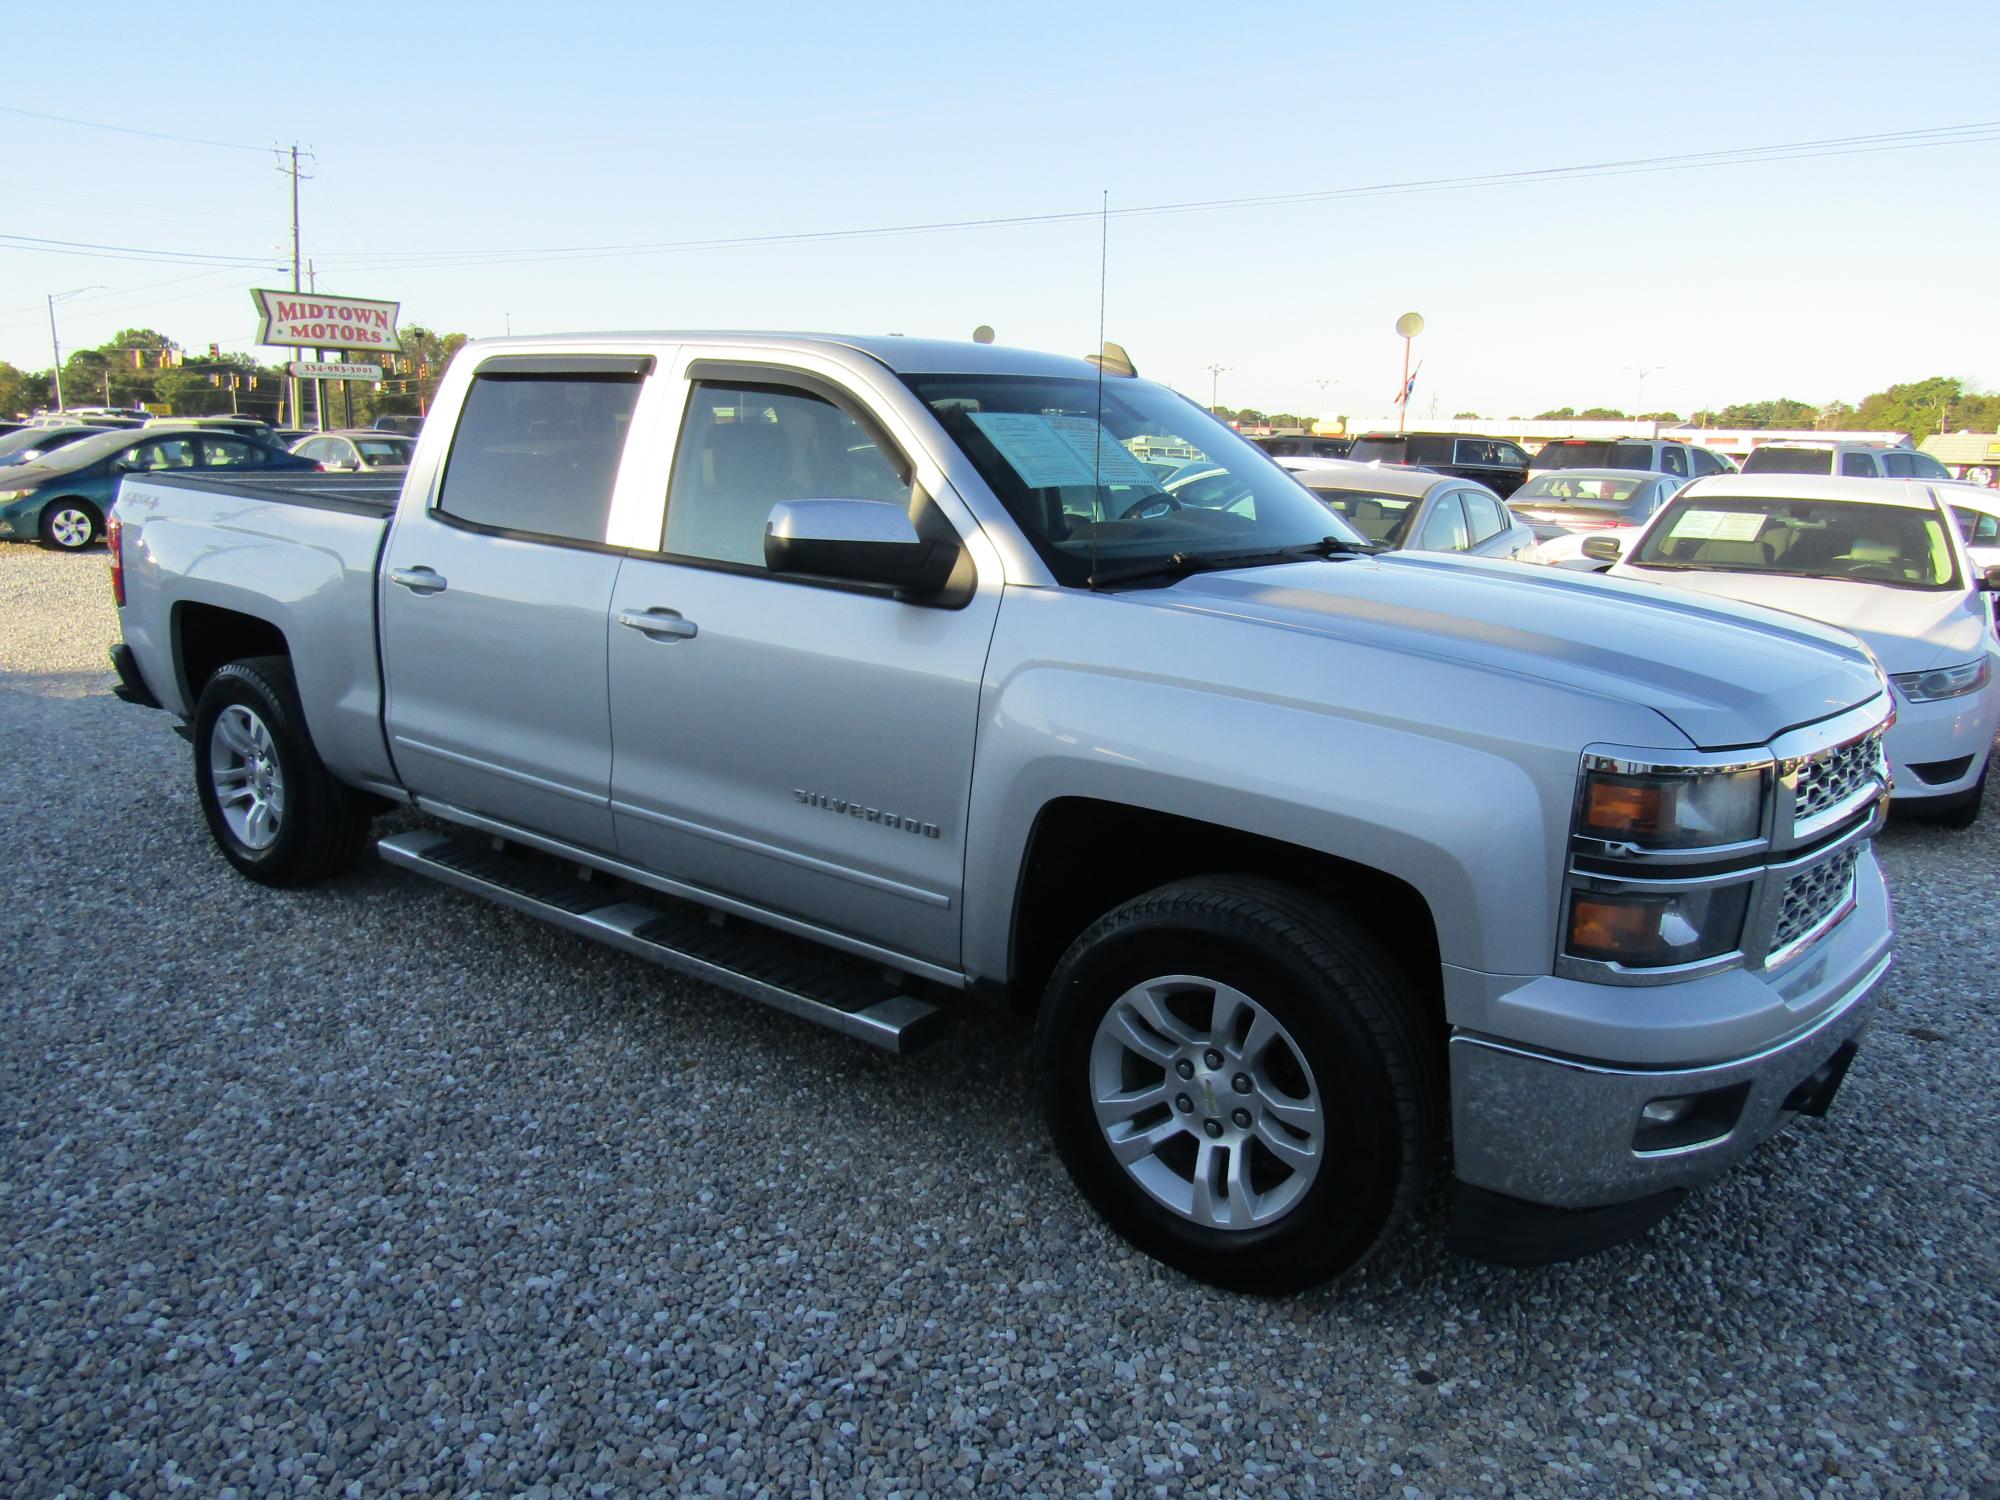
x,y
832,989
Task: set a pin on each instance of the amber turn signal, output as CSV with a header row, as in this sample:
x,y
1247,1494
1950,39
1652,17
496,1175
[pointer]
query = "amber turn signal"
x,y
1621,809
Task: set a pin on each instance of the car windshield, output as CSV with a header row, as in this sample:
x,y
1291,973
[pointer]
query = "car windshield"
x,y
1595,456
1590,492
1088,490
1380,518
29,439
1789,461
84,452
1369,450
1892,544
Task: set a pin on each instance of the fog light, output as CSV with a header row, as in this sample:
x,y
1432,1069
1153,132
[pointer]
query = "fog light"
x,y
1666,1111
1677,1121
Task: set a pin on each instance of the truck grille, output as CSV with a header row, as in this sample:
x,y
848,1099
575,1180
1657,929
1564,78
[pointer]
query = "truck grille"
x,y
1827,778
1812,895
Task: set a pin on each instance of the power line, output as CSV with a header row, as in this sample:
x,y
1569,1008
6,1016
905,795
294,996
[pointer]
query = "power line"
x,y
157,135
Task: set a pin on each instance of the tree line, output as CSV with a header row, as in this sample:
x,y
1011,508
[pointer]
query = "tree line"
x,y
1941,403
144,367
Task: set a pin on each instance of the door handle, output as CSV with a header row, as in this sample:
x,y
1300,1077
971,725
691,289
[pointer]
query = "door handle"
x,y
658,623
418,580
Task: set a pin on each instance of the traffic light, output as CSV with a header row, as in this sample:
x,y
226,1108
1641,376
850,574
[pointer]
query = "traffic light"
x,y
215,351
215,380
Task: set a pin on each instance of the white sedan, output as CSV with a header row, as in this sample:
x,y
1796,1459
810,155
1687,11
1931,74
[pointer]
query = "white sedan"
x,y
1880,557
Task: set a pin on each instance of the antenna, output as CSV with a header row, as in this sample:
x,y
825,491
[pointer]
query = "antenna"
x,y
1097,437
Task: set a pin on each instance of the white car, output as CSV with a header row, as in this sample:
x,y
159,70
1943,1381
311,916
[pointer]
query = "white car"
x,y
1879,557
1977,511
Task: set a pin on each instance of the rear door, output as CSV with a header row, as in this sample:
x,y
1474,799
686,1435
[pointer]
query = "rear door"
x,y
494,595
804,747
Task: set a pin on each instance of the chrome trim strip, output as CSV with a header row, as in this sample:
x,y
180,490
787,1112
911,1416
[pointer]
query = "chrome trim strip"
x,y
539,783
697,894
789,856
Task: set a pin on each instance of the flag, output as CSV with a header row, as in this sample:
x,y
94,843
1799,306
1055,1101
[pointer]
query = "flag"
x,y
1408,386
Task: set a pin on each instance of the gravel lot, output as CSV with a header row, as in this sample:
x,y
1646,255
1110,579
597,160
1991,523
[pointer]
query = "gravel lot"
x,y
377,1189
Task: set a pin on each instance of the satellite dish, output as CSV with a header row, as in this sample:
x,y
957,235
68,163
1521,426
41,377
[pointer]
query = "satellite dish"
x,y
983,334
1410,325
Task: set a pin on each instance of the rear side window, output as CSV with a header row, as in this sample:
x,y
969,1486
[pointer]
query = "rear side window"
x,y
1673,459
1378,450
1444,528
539,453
1896,465
1483,511
743,448
1858,465
230,453
1595,456
1791,461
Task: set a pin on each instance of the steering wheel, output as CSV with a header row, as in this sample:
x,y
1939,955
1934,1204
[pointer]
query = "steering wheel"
x,y
1149,507
1886,572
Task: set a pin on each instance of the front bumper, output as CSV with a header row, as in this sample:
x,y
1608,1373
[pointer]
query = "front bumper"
x,y
1938,734
1539,1126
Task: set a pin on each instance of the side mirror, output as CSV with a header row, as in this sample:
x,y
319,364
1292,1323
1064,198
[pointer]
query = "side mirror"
x,y
861,541
1989,580
1602,548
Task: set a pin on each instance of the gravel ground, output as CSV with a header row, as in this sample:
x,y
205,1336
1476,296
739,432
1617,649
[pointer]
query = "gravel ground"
x,y
377,1189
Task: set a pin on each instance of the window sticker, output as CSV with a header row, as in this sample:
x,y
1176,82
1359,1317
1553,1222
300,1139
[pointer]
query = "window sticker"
x,y
1054,451
1718,525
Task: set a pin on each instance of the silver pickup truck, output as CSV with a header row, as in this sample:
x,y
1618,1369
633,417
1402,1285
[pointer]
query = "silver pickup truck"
x,y
852,675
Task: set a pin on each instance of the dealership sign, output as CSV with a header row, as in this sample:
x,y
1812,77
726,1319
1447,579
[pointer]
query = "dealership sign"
x,y
309,320
327,369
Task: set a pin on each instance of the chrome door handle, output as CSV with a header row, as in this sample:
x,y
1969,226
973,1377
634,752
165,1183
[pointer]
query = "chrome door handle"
x,y
418,580
658,623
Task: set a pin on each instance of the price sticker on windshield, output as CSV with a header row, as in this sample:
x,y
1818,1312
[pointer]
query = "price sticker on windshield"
x,y
1718,526
1053,451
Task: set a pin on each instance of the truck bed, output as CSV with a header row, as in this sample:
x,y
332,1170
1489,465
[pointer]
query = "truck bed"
x,y
358,494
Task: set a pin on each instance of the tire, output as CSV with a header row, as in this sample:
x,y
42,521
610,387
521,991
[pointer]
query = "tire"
x,y
1344,1055
70,524
273,808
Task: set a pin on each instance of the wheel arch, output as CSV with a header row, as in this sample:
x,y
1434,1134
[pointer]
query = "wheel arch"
x,y
208,636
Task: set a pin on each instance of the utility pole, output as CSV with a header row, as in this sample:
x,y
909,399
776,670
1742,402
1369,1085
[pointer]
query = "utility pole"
x,y
1642,371
1215,374
55,344
293,172
319,411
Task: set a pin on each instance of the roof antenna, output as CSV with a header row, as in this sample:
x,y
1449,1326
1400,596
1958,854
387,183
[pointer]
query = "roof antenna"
x,y
1097,437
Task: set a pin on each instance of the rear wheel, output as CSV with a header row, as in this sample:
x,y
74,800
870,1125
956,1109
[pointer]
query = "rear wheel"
x,y
273,808
70,525
1236,1081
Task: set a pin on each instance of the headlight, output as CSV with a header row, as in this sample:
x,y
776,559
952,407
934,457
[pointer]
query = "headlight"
x,y
1685,809
9,496
1650,931
1943,682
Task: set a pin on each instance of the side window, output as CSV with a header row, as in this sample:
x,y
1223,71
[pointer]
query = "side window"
x,y
312,448
1923,466
1898,465
169,453
229,453
1474,451
743,448
1510,455
1674,459
1858,465
1483,513
539,453
1977,527
1444,528
1705,463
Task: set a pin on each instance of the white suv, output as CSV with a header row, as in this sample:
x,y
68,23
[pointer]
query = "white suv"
x,y
1848,460
1656,455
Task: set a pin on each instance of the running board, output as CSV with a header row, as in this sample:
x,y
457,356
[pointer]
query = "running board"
x,y
841,993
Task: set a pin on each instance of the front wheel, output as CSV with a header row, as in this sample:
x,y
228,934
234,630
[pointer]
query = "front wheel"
x,y
70,525
1235,1077
273,808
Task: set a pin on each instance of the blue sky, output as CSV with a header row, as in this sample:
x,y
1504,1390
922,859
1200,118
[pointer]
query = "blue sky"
x,y
443,134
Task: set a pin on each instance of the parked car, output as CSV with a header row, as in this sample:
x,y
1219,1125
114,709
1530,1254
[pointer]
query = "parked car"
x,y
1880,558
1569,507
1494,462
362,450
64,496
1303,856
1977,511
1849,460
408,425
1414,510
30,443
1308,445
1660,455
250,427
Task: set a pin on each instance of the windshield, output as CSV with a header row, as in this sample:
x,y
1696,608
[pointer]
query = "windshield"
x,y
1592,492
1037,441
29,439
84,452
1789,461
1889,544
1380,518
1595,456
1370,450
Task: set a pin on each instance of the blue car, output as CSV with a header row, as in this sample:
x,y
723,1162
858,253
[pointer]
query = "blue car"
x,y
64,496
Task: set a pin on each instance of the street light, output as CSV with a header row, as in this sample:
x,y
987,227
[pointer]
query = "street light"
x,y
55,345
1409,326
1215,374
1642,371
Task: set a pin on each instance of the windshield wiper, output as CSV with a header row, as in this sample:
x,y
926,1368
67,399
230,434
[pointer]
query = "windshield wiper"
x,y
1181,564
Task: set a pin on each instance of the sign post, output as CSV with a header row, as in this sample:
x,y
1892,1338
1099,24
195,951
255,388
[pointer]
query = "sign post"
x,y
315,320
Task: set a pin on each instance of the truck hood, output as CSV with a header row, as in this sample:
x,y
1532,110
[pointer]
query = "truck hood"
x,y
1909,630
1724,674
